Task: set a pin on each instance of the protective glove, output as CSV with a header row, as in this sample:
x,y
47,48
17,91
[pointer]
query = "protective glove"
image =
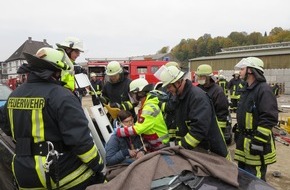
x,y
127,105
260,140
262,134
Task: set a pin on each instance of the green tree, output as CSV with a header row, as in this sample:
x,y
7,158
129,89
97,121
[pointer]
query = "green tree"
x,y
255,38
164,50
275,31
238,38
282,36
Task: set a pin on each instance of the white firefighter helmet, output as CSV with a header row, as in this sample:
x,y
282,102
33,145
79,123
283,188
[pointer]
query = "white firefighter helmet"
x,y
252,62
49,58
221,77
204,70
170,75
172,63
73,43
113,68
93,74
236,72
138,85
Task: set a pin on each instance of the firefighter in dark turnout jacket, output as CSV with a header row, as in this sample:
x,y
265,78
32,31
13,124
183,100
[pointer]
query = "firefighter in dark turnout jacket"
x,y
54,149
206,81
194,114
115,91
234,86
97,84
256,115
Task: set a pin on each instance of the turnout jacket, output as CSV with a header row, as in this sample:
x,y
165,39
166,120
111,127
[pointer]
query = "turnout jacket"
x,y
257,113
117,92
39,111
234,87
196,121
219,99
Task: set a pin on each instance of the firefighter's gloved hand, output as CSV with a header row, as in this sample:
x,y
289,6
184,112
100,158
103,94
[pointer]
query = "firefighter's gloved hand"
x,y
127,105
182,142
114,105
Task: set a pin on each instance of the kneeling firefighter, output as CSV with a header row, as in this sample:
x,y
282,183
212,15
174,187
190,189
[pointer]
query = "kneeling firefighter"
x,y
53,150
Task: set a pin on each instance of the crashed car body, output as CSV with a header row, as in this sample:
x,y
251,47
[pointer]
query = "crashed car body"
x,y
179,168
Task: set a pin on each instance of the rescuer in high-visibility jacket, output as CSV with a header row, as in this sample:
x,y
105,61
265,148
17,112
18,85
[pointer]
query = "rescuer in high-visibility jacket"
x,y
206,82
54,148
73,47
150,122
234,86
257,114
194,113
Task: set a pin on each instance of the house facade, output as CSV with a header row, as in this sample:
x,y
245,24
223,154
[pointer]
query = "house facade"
x,y
10,66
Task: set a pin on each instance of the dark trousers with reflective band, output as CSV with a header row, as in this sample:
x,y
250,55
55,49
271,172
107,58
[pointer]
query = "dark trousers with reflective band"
x,y
258,171
94,179
234,104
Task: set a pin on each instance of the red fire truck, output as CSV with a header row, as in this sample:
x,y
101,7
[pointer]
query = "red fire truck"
x,y
136,68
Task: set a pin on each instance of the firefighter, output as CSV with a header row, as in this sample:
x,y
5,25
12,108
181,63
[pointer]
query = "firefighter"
x,y
275,88
168,106
150,123
194,114
257,114
206,81
73,47
18,82
54,148
234,86
222,82
97,84
116,90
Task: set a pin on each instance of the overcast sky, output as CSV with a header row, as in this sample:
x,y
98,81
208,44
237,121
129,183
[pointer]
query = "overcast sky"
x,y
123,28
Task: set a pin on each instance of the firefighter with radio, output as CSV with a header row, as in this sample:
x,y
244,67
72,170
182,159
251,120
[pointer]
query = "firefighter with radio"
x,y
73,47
194,114
206,81
257,114
234,86
54,148
150,122
115,92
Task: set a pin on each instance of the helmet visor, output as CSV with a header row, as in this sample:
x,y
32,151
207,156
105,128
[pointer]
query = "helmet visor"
x,y
242,64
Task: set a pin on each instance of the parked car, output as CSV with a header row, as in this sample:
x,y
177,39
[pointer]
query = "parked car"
x,y
5,91
7,146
